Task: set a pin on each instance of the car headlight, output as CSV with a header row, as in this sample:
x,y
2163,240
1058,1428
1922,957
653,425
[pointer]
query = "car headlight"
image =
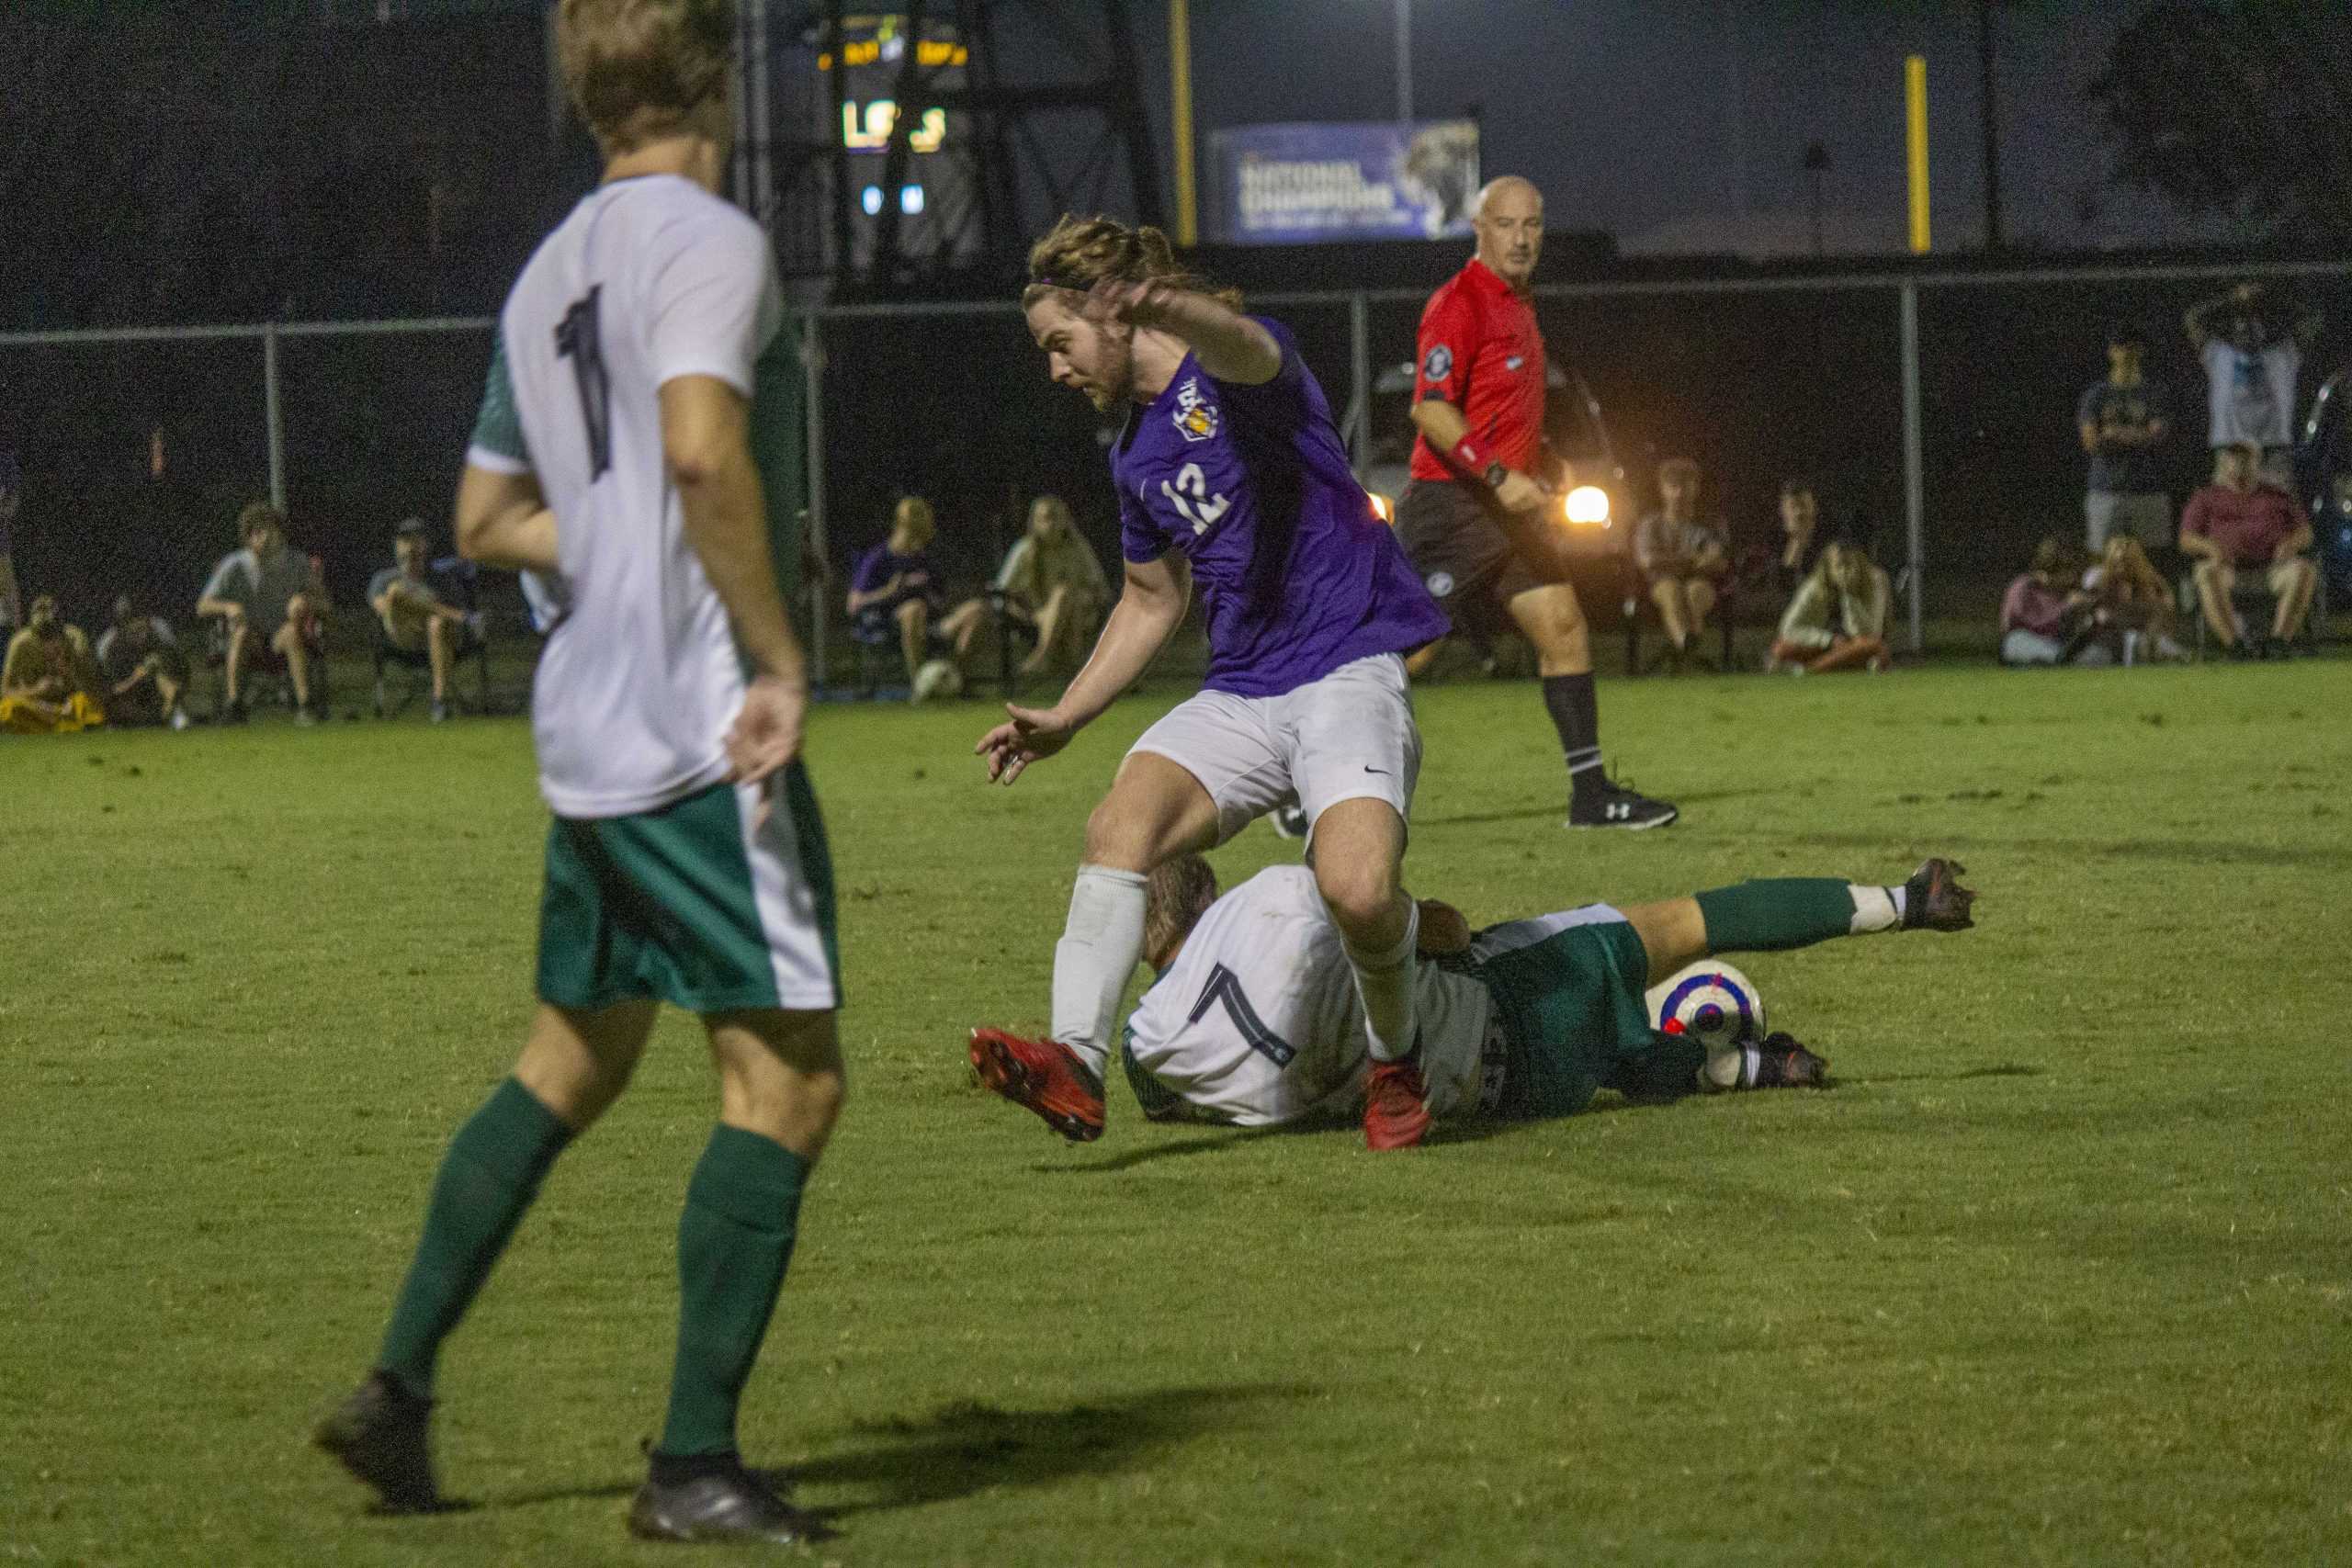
x,y
1586,506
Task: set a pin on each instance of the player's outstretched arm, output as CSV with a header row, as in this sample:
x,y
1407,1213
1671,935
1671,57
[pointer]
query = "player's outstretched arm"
x,y
1146,616
1228,344
705,442
503,521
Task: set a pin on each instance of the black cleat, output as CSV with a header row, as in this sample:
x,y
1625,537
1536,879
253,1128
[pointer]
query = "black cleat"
x,y
1934,900
1614,805
378,1434
1782,1062
725,1503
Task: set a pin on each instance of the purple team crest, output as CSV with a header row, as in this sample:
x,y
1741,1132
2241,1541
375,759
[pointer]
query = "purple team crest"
x,y
1195,416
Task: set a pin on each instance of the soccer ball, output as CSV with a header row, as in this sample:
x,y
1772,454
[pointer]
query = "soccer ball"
x,y
1710,1001
938,677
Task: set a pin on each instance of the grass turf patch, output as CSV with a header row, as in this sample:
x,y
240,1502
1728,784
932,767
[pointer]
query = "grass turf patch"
x,y
2057,1273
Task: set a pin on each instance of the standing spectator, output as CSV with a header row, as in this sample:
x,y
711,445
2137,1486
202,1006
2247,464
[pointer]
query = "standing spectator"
x,y
266,597
2047,613
49,685
2242,522
1681,559
2133,601
1838,620
2124,420
412,614
893,592
1052,584
2252,358
1802,541
140,665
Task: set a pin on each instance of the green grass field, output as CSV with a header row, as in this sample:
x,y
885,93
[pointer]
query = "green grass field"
x,y
2057,1273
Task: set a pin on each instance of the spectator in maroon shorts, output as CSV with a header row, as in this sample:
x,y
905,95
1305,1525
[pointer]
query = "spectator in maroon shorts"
x,y
2242,523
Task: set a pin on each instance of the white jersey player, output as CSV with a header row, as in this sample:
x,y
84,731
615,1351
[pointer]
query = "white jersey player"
x,y
626,450
1251,1020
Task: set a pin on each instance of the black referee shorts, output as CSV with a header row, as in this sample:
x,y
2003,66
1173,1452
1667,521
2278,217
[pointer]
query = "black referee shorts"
x,y
1472,557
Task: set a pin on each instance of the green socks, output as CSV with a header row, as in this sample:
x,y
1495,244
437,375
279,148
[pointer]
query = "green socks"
x,y
489,1176
734,1241
1771,913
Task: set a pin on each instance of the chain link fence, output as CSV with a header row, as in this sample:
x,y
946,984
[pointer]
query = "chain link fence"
x,y
1936,410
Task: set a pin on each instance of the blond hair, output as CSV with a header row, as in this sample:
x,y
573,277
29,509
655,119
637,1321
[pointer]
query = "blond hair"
x,y
1079,253
1175,895
2130,576
637,69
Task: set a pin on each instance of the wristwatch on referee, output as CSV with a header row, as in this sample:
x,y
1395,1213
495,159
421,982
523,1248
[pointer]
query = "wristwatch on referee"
x,y
1495,476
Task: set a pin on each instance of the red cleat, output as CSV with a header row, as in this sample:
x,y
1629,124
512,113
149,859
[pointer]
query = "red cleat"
x,y
1396,1104
1044,1075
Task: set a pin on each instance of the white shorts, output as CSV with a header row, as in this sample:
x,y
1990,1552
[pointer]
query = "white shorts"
x,y
1349,736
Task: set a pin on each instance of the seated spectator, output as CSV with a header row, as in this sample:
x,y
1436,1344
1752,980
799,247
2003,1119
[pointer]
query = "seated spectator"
x,y
2047,613
2243,522
266,598
1802,541
412,612
893,592
1681,559
2333,532
2132,602
142,669
1838,620
49,685
1052,584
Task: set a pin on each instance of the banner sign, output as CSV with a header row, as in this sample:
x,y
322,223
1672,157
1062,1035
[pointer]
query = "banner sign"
x,y
1290,184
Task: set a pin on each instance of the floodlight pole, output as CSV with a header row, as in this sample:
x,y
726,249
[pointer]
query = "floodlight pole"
x,y
1404,61
1914,502
272,415
1359,369
815,548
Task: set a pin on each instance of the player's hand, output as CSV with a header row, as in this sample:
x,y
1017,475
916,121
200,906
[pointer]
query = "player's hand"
x,y
1443,930
1128,304
1519,495
765,735
1030,735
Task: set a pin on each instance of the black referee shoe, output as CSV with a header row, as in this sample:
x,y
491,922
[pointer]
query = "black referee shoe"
x,y
722,1502
1614,805
378,1434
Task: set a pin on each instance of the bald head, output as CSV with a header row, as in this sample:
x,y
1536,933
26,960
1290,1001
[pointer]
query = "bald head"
x,y
1510,188
1509,221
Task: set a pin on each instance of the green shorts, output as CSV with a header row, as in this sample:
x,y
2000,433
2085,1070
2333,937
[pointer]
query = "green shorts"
x,y
691,904
1568,992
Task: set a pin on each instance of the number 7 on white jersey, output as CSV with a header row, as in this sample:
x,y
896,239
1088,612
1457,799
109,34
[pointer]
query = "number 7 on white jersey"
x,y
1201,510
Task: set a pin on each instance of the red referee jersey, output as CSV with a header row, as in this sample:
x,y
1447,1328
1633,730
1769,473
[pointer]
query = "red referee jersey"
x,y
1481,351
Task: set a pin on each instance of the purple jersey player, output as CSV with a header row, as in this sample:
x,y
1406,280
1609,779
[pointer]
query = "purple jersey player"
x,y
1230,474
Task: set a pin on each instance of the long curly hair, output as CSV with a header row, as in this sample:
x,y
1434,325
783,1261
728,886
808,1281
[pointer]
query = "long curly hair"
x,y
1079,253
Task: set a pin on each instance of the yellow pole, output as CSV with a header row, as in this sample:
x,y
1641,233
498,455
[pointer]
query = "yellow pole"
x,y
1180,116
1915,93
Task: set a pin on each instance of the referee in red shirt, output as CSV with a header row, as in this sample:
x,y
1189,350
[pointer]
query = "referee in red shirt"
x,y
1472,519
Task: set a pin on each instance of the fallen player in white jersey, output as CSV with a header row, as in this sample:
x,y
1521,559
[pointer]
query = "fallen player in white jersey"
x,y
1254,1019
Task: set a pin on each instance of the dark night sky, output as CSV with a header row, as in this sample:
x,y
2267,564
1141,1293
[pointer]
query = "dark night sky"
x,y
1638,114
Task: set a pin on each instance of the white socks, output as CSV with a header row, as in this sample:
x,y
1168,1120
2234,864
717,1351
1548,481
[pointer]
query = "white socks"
x,y
1098,951
1734,1068
1875,908
1384,982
